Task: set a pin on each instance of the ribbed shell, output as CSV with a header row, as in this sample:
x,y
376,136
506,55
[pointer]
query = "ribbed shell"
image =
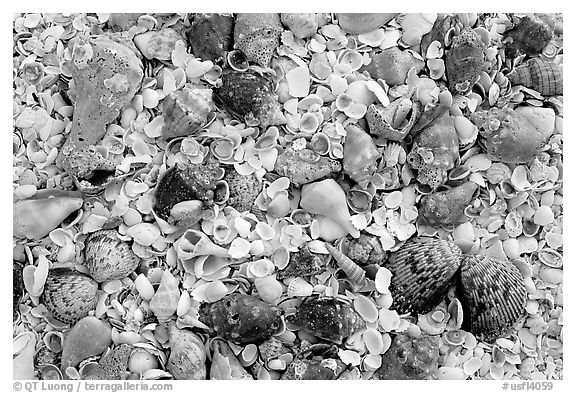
x,y
360,155
493,296
541,75
423,270
108,257
69,295
355,273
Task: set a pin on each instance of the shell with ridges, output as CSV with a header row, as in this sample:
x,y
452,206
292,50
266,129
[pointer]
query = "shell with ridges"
x,y
360,155
107,257
544,76
355,273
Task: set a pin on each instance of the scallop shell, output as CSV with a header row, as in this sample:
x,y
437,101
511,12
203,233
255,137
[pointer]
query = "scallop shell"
x,y
186,111
210,35
69,295
423,269
299,287
257,35
465,60
493,295
544,76
107,257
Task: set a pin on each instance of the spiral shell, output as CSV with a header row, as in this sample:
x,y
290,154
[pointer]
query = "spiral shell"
x,y
186,111
529,36
539,74
394,121
355,273
107,257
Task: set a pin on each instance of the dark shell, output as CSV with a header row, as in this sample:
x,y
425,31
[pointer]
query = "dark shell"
x,y
112,366
365,250
44,356
303,263
314,369
108,257
17,287
210,35
447,207
249,98
258,36
423,269
241,318
465,60
493,296
69,294
90,171
438,32
327,318
186,111
410,358
544,76
529,36
183,183
304,166
243,190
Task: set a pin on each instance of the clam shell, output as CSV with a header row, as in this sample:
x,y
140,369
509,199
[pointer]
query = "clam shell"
x,y
320,143
550,257
107,257
299,287
455,337
269,289
359,201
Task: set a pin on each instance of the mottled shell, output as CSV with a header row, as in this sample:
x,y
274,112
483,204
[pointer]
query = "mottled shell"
x,y
185,111
447,207
365,250
493,296
241,318
243,190
423,269
410,358
258,35
314,369
302,25
107,257
304,166
210,35
393,65
529,36
465,60
69,295
360,155
382,120
327,318
249,98
187,356
303,263
112,366
539,74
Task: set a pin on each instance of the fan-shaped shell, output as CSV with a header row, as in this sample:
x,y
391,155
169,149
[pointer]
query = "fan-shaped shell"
x,y
107,257
539,74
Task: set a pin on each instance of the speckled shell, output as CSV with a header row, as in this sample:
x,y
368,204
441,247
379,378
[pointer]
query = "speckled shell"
x,y
493,296
314,369
258,35
380,120
241,318
249,98
393,65
186,111
529,36
510,137
360,155
187,355
107,257
69,295
303,263
17,287
210,35
423,269
328,318
243,190
365,250
465,60
112,366
410,358
539,74
447,207
304,166
182,183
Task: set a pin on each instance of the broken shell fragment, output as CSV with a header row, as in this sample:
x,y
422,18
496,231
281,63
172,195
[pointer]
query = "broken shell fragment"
x,y
187,356
394,121
393,65
225,364
186,111
314,369
304,166
158,44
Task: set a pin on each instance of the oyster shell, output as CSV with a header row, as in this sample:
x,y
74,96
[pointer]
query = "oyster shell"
x,y
304,166
410,358
465,60
107,257
243,190
210,35
447,207
186,111
258,35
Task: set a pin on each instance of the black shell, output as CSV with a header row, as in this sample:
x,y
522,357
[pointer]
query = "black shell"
x,y
210,35
465,60
529,36
17,286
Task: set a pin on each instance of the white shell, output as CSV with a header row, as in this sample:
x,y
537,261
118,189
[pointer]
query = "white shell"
x,y
261,268
215,291
373,341
269,289
144,233
299,287
366,308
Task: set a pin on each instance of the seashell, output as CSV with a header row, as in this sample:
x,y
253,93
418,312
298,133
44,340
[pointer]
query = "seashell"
x,y
260,268
302,263
327,318
215,291
69,295
89,337
355,60
33,72
436,67
544,76
355,273
314,369
447,207
493,295
304,166
194,243
243,190
257,35
269,289
454,337
364,250
37,216
302,25
366,308
237,60
466,130
186,213
410,358
279,206
320,143
359,23
165,301
221,192
360,155
241,318
249,98
550,258
430,262
107,257
359,201
23,360
225,364
185,111
465,60
435,321
394,121
415,26
187,356
298,80
392,65
299,287
309,123
456,315
510,137
50,372
498,172
112,366
210,35
543,119
158,44
459,172
543,216
141,361
530,35
513,224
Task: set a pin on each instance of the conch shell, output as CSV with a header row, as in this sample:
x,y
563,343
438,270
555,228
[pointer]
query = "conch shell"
x,y
165,301
304,166
187,356
360,155
465,60
257,35
544,76
394,121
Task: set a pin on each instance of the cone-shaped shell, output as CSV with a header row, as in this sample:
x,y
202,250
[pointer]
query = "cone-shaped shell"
x,y
393,65
447,207
410,358
258,35
187,356
423,269
394,121
243,190
108,257
493,296
529,36
465,60
314,369
69,295
242,319
360,155
327,318
355,273
164,303
225,365
249,98
210,35
304,166
539,74
186,111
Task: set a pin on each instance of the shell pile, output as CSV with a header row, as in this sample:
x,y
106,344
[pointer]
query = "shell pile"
x,y
287,196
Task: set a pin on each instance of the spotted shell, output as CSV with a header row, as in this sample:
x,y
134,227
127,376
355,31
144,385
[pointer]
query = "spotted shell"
x,y
185,111
210,35
243,190
410,358
107,257
447,207
493,296
465,60
258,35
530,35
544,76
328,318
69,294
304,166
423,269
